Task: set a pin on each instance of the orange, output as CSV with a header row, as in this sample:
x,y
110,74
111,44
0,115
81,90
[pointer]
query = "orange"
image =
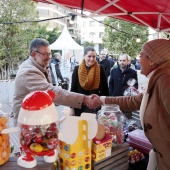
x,y
5,137
6,158
1,128
1,161
8,149
0,139
4,145
4,154
3,120
1,150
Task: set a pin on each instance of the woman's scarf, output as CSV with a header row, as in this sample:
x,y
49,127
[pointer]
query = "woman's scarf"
x,y
89,79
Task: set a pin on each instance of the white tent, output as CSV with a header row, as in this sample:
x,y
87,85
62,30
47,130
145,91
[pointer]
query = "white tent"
x,y
65,41
69,47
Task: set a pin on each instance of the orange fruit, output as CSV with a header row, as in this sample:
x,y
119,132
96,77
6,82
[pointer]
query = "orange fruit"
x,y
6,158
3,120
1,128
5,137
0,139
1,161
8,149
4,145
1,150
4,154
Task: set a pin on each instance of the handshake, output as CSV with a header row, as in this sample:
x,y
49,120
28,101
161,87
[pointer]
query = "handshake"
x,y
93,101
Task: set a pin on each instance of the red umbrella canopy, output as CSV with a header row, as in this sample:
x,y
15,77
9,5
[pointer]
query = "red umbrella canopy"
x,y
152,13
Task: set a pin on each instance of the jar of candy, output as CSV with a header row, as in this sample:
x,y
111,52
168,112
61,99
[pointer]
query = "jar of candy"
x,y
5,149
38,128
113,120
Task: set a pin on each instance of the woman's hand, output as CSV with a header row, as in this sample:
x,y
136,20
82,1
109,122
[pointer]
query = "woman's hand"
x,y
92,101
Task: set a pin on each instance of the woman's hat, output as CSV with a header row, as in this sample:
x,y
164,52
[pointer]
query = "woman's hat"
x,y
157,50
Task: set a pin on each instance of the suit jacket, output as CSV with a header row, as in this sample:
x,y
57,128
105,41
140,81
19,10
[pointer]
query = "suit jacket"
x,y
30,77
76,87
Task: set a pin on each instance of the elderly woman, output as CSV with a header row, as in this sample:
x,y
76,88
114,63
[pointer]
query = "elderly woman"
x,y
154,104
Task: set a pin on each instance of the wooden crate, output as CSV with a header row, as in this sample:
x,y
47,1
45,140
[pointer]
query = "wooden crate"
x,y
118,160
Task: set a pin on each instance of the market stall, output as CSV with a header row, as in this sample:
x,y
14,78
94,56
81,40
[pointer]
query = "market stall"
x,y
91,143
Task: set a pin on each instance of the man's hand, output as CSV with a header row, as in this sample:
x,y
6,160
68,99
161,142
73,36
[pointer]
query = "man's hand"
x,y
92,101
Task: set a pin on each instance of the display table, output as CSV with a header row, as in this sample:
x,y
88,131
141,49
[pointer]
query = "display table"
x,y
12,165
117,160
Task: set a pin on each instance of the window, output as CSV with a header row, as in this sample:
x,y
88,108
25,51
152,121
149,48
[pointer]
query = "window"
x,y
101,23
92,23
91,35
101,34
43,12
84,24
55,14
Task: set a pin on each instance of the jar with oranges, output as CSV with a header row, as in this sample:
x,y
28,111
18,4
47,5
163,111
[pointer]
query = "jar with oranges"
x,y
5,149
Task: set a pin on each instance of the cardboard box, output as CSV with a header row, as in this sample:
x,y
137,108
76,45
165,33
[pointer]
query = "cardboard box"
x,y
101,149
75,145
118,160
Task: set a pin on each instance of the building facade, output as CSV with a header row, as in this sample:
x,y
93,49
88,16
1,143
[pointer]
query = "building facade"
x,y
47,11
92,31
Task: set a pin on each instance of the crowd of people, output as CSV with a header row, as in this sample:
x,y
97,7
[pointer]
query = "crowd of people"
x,y
90,88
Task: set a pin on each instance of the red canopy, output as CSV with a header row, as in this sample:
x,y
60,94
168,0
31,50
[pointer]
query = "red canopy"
x,y
152,13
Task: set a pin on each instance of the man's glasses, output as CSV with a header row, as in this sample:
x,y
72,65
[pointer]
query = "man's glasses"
x,y
44,54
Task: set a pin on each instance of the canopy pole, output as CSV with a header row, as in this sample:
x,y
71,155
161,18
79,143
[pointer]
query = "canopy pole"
x,y
82,7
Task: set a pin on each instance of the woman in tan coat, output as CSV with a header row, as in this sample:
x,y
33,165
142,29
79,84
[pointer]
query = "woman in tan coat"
x,y
154,104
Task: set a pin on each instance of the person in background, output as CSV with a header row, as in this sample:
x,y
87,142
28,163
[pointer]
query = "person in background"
x,y
56,61
72,62
34,75
120,75
137,65
97,58
111,60
154,103
89,78
105,63
130,63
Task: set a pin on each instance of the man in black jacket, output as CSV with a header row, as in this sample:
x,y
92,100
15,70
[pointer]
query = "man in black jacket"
x,y
56,62
105,63
120,75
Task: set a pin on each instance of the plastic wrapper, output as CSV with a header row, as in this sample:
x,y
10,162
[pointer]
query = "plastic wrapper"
x,y
113,120
5,149
130,90
138,136
40,140
131,125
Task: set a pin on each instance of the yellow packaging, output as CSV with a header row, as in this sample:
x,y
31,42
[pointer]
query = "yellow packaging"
x,y
77,156
101,149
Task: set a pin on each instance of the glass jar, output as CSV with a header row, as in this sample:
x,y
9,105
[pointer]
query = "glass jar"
x,y
39,140
5,149
113,120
